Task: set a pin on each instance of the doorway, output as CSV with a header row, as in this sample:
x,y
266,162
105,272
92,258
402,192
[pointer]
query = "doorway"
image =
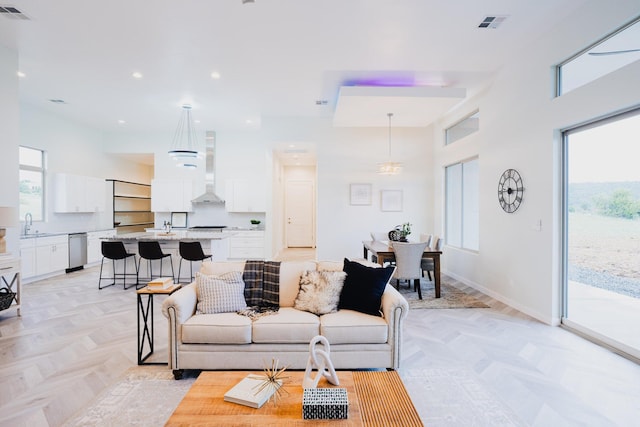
x,y
299,207
602,231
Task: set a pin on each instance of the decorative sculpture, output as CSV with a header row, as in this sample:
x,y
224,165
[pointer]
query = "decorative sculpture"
x,y
320,360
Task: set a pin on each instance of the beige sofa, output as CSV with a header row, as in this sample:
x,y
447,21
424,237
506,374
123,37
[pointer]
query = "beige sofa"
x,y
224,341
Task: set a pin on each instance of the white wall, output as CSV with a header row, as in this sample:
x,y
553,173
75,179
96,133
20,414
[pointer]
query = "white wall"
x,y
9,137
520,123
345,156
75,149
351,155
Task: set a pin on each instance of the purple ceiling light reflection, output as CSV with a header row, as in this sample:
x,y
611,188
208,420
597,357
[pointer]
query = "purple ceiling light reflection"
x,y
396,81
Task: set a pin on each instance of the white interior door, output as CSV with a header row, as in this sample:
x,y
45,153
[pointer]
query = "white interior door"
x,y
299,213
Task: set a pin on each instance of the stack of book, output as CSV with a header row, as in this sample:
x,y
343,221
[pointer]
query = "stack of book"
x,y
161,283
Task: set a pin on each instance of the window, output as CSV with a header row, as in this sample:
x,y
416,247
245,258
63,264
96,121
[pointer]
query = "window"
x,y
607,55
464,127
32,183
602,230
462,205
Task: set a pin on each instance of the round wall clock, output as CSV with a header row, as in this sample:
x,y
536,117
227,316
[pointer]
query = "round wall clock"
x,y
510,190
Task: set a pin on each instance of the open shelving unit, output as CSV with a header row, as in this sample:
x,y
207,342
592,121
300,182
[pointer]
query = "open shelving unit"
x,y
131,206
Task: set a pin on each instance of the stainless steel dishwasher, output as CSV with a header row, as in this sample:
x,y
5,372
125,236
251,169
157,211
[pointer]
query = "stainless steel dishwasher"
x,y
77,251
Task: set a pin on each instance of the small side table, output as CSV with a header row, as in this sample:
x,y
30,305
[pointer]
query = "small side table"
x,y
145,327
10,267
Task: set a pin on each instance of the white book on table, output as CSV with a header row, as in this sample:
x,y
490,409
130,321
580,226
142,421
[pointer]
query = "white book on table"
x,y
250,391
161,283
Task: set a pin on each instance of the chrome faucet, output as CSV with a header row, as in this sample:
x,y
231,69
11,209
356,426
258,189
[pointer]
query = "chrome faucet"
x,y
28,222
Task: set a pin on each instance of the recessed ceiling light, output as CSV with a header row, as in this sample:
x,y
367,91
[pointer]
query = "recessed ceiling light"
x,y
196,121
121,122
136,75
292,145
215,75
21,74
248,121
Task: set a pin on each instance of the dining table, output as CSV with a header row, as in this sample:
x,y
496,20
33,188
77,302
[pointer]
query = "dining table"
x,y
383,251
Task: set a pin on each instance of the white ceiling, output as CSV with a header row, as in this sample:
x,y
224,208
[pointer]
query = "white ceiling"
x,y
275,58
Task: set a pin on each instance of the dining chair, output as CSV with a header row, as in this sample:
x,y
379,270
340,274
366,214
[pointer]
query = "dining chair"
x,y
427,263
378,236
426,238
408,258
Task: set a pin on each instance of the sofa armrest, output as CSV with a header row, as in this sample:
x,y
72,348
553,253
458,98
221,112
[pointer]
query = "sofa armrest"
x,y
181,303
394,309
178,308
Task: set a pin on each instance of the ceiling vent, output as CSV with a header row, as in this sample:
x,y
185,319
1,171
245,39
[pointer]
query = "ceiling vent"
x,y
493,22
12,13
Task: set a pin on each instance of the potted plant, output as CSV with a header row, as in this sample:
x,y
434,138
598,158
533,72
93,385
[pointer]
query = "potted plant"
x,y
255,223
405,231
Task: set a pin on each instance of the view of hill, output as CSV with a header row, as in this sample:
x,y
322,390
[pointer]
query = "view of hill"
x,y
583,196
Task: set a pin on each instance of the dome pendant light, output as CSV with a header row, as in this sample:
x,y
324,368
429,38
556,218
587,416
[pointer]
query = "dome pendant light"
x,y
184,148
389,167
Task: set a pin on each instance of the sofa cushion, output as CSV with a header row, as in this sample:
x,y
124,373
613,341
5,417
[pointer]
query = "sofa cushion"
x,y
219,328
220,267
290,272
363,287
220,294
319,291
353,327
286,326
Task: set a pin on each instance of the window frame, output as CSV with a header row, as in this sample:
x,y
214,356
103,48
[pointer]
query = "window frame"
x,y
43,171
461,215
447,140
558,68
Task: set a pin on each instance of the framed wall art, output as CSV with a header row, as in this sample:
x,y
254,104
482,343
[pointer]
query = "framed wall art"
x,y
360,194
391,200
179,219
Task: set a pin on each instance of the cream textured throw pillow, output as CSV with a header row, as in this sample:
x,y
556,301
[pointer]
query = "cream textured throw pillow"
x,y
319,291
220,294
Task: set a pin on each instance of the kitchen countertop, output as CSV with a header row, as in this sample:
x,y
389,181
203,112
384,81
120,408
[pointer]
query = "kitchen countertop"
x,y
174,235
35,234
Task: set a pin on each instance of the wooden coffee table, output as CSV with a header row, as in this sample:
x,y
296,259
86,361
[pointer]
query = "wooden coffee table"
x,y
376,398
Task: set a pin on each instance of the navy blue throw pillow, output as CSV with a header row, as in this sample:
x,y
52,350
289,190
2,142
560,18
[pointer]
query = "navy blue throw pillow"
x,y
363,287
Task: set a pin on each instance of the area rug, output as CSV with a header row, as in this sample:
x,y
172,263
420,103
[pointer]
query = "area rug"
x,y
444,397
143,396
450,296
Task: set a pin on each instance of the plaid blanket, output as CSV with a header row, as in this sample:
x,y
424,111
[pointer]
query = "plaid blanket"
x,y
262,283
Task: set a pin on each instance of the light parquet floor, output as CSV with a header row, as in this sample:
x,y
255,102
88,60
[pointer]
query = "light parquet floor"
x,y
73,341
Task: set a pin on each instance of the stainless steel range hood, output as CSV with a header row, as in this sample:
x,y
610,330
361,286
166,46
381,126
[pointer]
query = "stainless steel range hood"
x,y
209,195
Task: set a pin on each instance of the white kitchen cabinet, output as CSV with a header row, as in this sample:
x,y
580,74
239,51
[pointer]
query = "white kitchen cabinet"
x,y
94,244
96,194
75,193
247,245
52,254
244,195
171,195
28,258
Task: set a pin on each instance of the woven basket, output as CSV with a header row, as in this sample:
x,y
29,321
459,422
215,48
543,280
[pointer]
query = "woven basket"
x,y
6,298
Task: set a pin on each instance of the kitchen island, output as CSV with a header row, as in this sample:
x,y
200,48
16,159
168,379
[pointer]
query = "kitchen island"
x,y
214,243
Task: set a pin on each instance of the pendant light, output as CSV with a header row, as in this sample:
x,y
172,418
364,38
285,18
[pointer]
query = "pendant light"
x,y
185,148
389,167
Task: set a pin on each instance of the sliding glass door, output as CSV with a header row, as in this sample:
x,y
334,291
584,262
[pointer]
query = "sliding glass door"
x,y
602,231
